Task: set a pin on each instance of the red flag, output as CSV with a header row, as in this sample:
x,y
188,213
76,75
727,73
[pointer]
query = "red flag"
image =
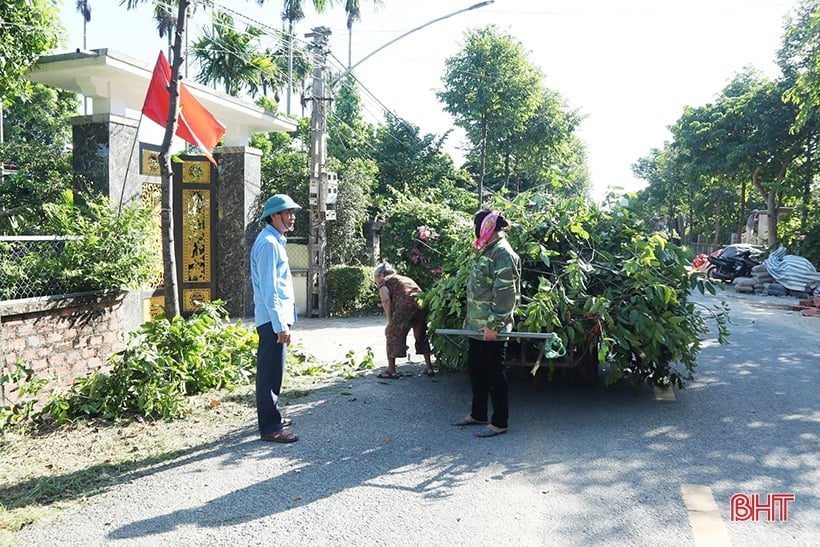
x,y
196,125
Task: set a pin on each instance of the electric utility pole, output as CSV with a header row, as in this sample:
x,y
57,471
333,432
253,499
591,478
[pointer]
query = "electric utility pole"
x,y
317,242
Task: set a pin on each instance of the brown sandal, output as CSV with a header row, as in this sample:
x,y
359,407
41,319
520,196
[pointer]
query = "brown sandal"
x,y
280,436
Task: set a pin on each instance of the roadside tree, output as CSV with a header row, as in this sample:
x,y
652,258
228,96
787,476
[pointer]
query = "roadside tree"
x,y
30,28
799,59
491,90
417,164
184,8
37,133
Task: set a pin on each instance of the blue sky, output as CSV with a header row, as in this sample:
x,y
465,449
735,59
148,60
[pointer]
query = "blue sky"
x,y
629,66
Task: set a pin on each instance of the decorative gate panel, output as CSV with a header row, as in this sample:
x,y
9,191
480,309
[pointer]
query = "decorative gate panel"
x,y
154,301
194,218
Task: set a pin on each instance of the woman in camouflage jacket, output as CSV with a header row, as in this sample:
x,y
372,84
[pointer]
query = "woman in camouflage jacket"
x,y
493,292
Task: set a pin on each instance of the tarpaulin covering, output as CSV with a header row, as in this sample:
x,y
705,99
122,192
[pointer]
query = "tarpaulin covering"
x,y
793,272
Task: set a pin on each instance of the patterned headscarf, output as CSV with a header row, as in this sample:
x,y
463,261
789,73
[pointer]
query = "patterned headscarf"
x,y
487,229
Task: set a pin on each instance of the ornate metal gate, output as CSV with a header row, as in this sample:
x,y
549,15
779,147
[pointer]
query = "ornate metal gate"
x,y
194,220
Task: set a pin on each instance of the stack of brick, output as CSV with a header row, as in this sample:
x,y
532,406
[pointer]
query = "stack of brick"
x,y
760,282
811,306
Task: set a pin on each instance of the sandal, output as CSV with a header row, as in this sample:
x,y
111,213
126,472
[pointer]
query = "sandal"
x,y
490,431
430,372
388,375
280,436
469,420
286,422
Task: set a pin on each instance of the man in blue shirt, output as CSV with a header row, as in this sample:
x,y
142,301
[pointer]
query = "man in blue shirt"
x,y
274,314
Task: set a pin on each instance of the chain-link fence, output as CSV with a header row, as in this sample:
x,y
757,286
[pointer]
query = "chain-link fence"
x,y
298,254
28,265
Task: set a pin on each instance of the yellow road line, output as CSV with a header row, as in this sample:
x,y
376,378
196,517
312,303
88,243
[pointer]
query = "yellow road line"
x,y
704,517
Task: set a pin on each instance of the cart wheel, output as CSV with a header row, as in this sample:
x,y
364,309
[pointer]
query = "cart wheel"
x,y
585,371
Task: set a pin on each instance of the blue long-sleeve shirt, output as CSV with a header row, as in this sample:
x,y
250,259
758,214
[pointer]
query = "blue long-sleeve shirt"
x,y
273,296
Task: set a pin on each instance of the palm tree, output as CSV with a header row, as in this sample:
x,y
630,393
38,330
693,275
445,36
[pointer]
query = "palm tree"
x,y
291,12
354,13
84,9
230,57
166,23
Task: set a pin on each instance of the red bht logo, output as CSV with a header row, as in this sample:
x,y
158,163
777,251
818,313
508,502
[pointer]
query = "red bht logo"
x,y
743,507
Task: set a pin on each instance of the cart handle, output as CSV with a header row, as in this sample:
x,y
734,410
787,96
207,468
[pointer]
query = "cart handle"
x,y
552,347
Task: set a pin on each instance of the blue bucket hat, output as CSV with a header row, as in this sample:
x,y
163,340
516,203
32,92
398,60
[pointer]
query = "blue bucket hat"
x,y
277,204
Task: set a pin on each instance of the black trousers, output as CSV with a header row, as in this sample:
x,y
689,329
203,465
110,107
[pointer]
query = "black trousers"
x,y
485,367
270,370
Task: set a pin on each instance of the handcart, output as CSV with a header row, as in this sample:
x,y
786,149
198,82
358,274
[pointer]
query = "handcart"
x,y
544,345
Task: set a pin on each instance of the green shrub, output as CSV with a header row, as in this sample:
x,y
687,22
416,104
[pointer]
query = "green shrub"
x,y
802,239
617,297
112,252
163,362
108,250
351,290
418,236
25,387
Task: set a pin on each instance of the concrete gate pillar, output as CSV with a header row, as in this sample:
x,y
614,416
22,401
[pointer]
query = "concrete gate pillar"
x,y
237,195
103,162
103,156
372,234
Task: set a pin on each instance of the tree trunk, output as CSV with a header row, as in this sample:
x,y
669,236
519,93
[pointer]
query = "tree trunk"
x,y
349,45
741,222
483,161
804,217
771,206
290,63
168,251
507,170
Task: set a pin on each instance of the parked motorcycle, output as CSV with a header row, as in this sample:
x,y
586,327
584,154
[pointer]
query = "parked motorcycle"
x,y
730,263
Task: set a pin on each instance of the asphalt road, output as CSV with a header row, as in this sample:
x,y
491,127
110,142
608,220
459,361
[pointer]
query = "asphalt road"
x,y
378,462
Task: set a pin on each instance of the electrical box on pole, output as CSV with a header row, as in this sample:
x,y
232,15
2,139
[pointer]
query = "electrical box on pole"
x,y
331,194
317,240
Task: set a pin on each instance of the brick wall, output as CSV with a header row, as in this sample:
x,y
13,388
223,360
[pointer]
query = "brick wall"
x,y
66,336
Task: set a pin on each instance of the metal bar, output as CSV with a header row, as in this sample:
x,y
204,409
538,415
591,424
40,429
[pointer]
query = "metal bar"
x,y
447,333
513,334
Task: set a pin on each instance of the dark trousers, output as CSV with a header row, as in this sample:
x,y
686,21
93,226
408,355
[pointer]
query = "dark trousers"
x,y
485,367
270,369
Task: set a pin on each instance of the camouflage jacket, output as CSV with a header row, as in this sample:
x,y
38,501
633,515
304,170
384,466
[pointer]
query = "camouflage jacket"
x,y
494,287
